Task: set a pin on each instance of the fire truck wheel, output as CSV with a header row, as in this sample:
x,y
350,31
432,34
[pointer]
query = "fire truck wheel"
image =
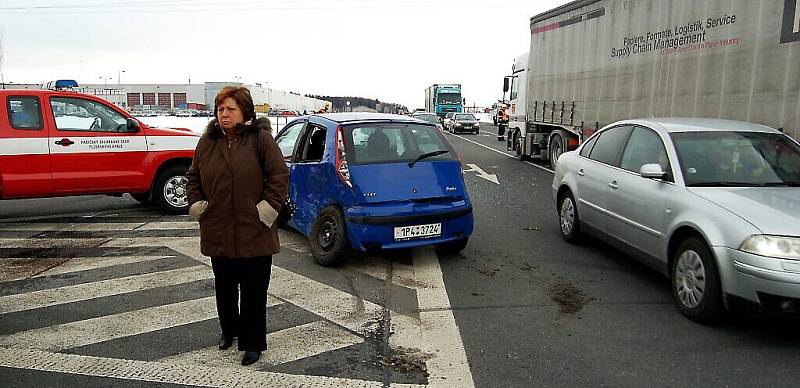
x,y
169,191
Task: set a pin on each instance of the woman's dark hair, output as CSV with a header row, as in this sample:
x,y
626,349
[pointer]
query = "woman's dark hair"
x,y
244,101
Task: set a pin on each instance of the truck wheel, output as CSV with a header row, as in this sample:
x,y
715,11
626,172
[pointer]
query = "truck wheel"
x,y
328,237
169,191
557,147
518,147
695,282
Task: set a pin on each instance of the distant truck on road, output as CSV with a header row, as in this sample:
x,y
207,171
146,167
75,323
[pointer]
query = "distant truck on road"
x,y
444,98
593,62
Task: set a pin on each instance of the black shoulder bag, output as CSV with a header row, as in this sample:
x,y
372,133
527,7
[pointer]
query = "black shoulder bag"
x,y
286,211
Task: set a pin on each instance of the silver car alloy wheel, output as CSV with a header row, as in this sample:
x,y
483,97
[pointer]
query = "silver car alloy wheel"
x,y
690,279
175,191
567,215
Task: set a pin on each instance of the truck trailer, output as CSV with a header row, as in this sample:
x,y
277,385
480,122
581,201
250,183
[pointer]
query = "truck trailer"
x,y
594,62
443,98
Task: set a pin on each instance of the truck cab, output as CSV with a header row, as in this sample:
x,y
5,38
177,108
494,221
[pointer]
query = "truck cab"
x,y
57,142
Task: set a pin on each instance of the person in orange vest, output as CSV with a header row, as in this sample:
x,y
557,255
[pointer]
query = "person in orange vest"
x,y
502,122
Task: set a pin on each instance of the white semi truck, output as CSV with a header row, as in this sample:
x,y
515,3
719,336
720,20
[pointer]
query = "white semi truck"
x,y
593,62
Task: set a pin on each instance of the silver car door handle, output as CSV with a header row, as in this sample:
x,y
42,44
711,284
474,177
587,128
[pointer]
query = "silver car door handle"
x,y
581,173
613,185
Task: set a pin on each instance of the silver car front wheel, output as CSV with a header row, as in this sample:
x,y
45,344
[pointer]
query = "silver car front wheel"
x,y
690,279
695,281
568,218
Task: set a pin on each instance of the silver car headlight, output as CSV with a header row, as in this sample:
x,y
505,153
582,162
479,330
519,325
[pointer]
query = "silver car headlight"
x,y
772,246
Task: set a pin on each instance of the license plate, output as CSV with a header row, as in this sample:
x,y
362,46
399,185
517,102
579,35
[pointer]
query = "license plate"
x,y
417,231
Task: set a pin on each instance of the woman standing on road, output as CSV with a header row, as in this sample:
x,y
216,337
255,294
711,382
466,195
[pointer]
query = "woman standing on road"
x,y
235,190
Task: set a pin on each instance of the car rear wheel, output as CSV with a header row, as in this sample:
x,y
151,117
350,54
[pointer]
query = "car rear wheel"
x,y
453,247
169,191
695,282
568,218
328,238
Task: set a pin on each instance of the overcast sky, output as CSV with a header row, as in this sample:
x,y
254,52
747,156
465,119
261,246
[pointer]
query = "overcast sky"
x,y
389,50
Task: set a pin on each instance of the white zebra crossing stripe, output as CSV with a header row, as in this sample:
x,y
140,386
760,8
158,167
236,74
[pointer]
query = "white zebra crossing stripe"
x,y
283,346
339,307
167,373
79,264
109,327
42,243
173,225
86,291
70,227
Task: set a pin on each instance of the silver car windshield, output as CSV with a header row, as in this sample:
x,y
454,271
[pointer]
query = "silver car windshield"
x,y
711,159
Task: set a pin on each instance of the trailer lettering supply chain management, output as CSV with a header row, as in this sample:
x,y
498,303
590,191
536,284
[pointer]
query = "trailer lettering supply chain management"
x,y
594,62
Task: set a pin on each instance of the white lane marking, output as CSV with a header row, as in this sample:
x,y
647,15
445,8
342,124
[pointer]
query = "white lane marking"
x,y
448,366
283,346
502,153
166,373
482,174
86,291
339,307
79,264
71,227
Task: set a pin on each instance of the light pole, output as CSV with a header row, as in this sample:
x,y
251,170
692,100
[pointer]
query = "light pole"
x,y
119,93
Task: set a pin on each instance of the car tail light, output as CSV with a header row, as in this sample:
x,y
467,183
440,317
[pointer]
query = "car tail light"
x,y
341,161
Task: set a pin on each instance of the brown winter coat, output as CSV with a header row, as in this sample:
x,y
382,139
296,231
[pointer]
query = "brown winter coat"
x,y
231,181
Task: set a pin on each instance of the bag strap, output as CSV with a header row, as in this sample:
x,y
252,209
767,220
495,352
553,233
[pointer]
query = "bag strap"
x,y
259,152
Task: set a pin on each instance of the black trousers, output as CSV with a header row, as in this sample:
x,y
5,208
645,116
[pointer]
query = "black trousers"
x,y
248,319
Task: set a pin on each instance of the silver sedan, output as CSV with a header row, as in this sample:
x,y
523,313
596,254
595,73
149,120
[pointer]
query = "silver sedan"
x,y
713,204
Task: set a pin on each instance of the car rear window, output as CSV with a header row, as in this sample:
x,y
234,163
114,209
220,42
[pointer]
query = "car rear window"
x,y
429,118
389,143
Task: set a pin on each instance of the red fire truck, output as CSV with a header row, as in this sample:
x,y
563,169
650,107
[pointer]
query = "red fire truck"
x,y
57,142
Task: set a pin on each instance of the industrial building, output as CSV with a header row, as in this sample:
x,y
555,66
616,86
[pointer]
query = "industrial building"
x,y
199,96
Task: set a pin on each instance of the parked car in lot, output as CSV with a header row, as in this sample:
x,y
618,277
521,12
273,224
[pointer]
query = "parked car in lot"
x,y
429,117
713,204
374,181
464,122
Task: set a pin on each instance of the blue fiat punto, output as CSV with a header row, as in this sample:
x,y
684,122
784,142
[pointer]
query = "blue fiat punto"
x,y
374,181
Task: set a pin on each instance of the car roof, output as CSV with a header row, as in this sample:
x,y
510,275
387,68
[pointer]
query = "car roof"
x,y
358,117
693,124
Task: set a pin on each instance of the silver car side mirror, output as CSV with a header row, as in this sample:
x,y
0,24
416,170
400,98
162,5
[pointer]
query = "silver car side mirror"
x,y
652,171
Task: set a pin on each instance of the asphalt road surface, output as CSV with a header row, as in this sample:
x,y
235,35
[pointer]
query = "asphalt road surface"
x,y
102,291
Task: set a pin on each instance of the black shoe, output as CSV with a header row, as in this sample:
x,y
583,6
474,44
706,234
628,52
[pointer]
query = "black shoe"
x,y
225,342
250,357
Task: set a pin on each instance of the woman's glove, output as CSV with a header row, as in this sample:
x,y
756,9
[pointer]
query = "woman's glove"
x,y
266,213
197,209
